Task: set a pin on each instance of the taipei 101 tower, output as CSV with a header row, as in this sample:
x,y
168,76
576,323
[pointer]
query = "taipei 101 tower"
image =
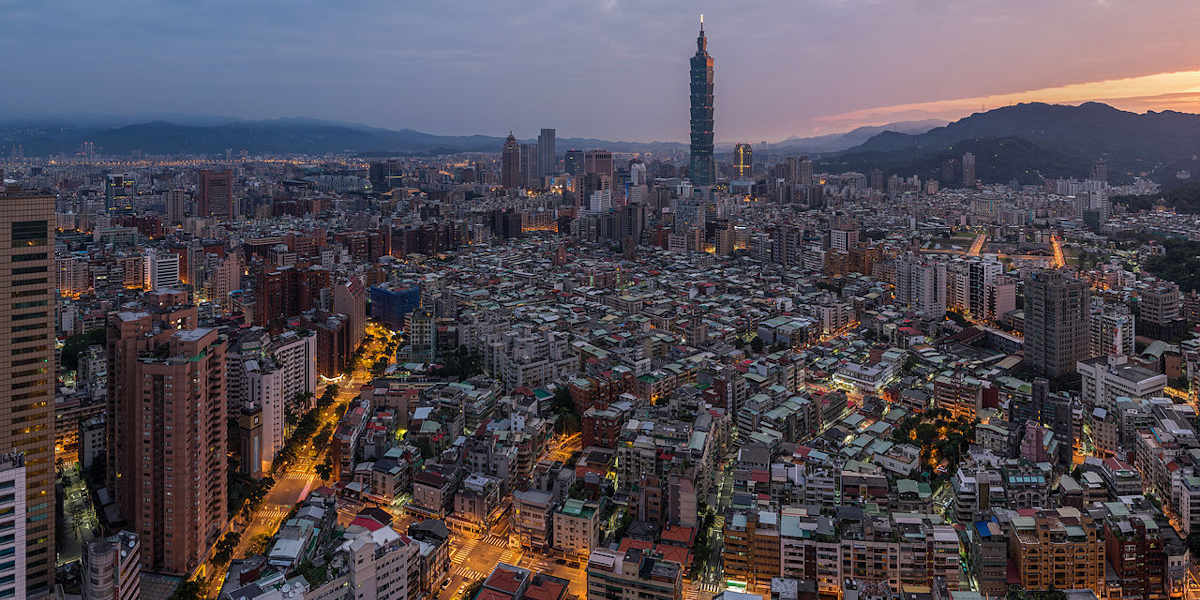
x,y
701,169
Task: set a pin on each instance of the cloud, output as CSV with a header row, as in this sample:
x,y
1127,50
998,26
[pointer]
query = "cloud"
x,y
1161,90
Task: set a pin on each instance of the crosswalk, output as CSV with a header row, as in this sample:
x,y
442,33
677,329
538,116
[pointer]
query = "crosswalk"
x,y
463,551
468,573
498,541
709,587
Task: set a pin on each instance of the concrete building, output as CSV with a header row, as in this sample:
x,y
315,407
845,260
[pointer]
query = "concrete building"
x,y
112,568
633,575
1060,549
14,544
1056,315
167,430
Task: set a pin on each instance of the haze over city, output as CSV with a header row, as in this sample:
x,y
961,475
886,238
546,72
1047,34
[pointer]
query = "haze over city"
x,y
607,70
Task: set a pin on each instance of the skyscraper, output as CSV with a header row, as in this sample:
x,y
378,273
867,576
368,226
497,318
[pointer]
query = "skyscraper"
x,y
743,160
968,170
1056,317
599,162
701,169
530,178
216,194
510,163
547,162
27,394
573,162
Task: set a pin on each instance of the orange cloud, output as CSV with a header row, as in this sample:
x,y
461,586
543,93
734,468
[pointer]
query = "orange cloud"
x,y
1162,91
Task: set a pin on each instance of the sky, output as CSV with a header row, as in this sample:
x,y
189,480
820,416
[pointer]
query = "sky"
x,y
609,69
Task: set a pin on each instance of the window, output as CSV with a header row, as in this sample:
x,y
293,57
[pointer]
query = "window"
x,y
29,327
30,304
35,281
28,270
29,257
30,233
28,293
33,315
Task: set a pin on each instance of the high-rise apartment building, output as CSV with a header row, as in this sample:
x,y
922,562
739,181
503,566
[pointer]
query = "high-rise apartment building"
x,y
1056,315
743,160
701,169
167,429
968,170
804,171
176,203
215,189
510,163
27,394
547,159
1110,329
921,286
112,568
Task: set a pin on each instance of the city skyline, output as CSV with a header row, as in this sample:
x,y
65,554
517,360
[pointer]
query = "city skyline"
x,y
258,67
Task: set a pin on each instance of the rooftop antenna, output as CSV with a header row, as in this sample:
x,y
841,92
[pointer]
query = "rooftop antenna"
x,y
701,21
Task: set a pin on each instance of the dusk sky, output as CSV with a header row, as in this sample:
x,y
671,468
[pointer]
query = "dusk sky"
x,y
612,69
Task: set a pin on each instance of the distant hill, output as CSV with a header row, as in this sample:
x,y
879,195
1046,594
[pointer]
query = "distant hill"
x,y
299,136
1154,143
836,142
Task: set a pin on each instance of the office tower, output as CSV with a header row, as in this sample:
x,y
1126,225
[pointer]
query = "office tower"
x,y
701,170
968,170
167,431
216,195
1099,171
529,175
27,394
637,173
1056,313
14,551
112,568
547,159
510,163
161,269
877,179
743,161
805,171
921,286
176,201
791,170
599,162
119,191
573,162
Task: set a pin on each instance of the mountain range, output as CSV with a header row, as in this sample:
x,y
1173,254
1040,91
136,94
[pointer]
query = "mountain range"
x,y
208,135
1024,142
1028,140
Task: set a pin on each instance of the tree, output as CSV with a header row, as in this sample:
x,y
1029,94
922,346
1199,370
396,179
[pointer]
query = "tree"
x,y
188,590
78,343
325,469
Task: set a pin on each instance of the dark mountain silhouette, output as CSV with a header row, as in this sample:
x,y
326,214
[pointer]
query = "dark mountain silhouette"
x,y
1153,143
